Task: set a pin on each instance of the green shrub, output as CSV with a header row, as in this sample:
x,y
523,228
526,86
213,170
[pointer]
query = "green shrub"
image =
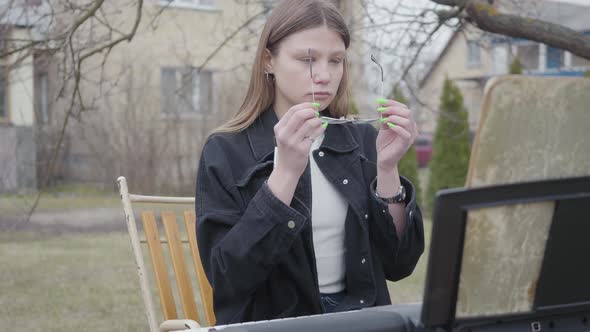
x,y
515,67
408,165
450,156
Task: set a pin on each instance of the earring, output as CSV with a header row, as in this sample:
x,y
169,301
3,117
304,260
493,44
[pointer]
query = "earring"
x,y
267,74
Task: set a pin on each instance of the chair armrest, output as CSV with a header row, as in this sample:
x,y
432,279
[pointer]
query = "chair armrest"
x,y
178,324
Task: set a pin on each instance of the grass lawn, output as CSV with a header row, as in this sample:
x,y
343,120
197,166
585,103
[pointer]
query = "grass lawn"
x,y
84,282
61,198
89,282
411,288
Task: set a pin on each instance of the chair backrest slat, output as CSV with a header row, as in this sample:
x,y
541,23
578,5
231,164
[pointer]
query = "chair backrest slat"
x,y
159,265
183,282
204,286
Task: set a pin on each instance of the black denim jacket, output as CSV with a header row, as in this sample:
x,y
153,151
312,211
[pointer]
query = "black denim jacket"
x,y
258,252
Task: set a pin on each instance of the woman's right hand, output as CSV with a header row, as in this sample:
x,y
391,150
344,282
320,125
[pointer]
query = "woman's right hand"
x,y
294,134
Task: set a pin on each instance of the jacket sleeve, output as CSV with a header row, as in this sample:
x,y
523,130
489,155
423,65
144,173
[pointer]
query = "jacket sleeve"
x,y
239,242
399,253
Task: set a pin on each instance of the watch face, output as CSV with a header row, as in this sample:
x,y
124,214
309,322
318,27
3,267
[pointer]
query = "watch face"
x,y
398,198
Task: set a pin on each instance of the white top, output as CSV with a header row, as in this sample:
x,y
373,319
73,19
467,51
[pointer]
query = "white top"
x,y
328,214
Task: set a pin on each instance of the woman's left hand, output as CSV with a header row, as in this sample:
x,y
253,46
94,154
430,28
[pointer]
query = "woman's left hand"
x,y
397,134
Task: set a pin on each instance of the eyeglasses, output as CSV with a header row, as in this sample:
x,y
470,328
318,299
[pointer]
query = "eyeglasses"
x,y
329,120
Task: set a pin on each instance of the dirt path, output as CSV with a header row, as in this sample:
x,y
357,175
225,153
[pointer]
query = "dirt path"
x,y
76,221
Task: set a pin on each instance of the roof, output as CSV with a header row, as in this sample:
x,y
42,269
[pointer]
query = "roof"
x,y
440,57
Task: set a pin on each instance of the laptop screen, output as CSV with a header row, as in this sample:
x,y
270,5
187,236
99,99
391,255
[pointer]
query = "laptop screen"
x,y
502,255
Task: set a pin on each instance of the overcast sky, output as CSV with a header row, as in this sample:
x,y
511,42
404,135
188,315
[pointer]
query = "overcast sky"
x,y
580,2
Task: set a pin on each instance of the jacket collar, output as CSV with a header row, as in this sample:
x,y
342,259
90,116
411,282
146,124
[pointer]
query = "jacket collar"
x,y
338,138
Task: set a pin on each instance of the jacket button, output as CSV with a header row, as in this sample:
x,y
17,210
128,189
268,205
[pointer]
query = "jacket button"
x,y
291,224
363,261
362,301
366,216
345,181
321,153
411,214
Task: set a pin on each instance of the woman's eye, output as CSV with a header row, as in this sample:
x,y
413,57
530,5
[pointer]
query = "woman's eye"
x,y
336,61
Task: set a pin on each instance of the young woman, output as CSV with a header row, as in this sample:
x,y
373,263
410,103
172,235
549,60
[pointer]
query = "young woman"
x,y
323,228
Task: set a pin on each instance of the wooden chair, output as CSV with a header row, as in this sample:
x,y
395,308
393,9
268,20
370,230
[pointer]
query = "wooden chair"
x,y
176,245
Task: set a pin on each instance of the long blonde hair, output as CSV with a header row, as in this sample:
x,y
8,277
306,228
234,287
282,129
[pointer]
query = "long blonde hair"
x,y
288,17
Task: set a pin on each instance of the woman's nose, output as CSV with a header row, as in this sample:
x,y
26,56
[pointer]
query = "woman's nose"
x,y
321,74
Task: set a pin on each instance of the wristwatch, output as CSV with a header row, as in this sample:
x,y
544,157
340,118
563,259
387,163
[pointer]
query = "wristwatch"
x,y
400,197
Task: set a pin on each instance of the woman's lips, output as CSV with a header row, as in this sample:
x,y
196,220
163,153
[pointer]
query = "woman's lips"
x,y
322,95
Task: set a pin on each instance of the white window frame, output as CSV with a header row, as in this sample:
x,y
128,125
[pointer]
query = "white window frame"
x,y
188,4
500,59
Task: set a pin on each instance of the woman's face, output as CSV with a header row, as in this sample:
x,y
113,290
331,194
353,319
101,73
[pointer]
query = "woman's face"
x,y
290,66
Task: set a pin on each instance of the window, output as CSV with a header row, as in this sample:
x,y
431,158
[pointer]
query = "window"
x,y
3,93
555,58
185,90
579,61
528,54
473,54
193,4
41,98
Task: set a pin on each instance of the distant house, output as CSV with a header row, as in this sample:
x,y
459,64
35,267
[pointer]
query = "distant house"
x,y
148,109
470,58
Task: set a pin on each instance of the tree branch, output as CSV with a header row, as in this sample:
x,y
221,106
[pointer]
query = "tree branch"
x,y
230,37
487,18
452,3
441,22
77,76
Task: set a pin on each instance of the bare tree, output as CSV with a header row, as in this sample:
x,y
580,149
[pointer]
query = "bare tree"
x,y
79,36
126,134
60,29
404,32
413,26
